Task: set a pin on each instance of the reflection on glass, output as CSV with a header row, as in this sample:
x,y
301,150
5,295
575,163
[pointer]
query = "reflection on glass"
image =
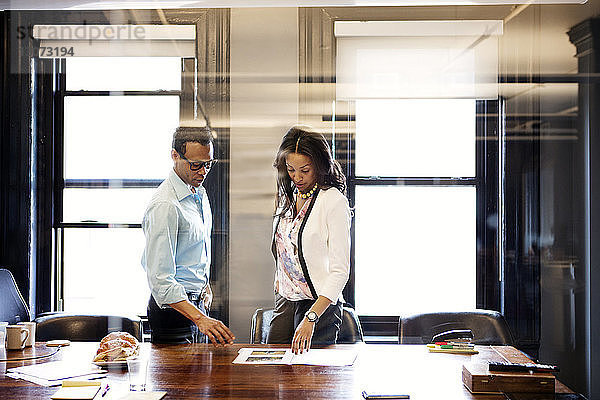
x,y
418,59
123,73
415,249
105,205
102,271
423,138
119,137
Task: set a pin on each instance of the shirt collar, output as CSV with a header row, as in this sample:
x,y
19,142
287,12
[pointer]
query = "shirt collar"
x,y
182,190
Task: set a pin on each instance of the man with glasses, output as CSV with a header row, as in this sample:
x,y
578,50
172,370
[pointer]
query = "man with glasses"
x,y
177,225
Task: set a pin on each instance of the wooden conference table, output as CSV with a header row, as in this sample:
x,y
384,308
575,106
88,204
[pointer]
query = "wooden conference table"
x,y
204,371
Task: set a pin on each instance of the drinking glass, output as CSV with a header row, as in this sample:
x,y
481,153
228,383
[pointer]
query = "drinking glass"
x,y
137,369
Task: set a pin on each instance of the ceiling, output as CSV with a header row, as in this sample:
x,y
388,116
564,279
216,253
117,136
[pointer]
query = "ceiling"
x,y
161,4
534,42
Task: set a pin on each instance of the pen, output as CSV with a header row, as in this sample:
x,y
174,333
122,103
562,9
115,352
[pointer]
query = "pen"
x,y
455,344
105,390
367,395
450,345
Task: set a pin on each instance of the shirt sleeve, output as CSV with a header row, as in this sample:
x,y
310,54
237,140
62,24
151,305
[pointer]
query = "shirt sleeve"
x,y
160,228
338,248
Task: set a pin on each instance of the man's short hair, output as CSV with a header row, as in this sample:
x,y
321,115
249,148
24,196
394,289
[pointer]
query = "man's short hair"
x,y
186,134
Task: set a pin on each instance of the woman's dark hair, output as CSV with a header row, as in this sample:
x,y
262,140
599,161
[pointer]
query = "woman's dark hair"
x,y
303,140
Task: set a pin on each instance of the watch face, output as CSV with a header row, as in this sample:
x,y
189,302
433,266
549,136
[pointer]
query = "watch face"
x,y
312,316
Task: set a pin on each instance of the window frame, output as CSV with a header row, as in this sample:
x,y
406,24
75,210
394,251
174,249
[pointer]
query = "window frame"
x,y
32,146
317,65
486,185
62,184
205,92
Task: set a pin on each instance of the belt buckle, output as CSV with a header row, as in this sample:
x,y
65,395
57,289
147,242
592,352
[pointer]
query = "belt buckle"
x,y
194,296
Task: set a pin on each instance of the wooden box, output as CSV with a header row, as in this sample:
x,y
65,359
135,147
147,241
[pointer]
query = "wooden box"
x,y
478,379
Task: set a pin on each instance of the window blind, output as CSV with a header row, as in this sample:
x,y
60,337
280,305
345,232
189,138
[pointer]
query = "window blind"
x,y
116,40
417,59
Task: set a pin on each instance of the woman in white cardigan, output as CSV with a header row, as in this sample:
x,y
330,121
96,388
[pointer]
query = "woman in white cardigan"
x,y
311,242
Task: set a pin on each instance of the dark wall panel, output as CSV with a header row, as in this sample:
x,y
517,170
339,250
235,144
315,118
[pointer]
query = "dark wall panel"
x,y
15,193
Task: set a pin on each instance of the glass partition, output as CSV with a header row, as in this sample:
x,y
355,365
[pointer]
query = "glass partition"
x,y
494,193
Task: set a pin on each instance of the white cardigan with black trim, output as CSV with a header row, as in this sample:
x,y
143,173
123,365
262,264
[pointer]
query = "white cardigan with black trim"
x,y
324,244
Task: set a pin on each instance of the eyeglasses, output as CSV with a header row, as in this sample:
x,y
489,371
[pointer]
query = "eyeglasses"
x,y
197,165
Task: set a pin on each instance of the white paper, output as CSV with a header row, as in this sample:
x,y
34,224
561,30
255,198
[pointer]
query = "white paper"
x,y
329,357
55,370
324,357
76,392
144,396
58,382
53,373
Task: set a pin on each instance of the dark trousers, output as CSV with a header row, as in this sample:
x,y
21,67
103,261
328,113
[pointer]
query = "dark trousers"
x,y
170,326
288,315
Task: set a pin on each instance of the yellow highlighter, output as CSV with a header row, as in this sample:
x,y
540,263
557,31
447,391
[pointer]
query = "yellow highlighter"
x,y
81,383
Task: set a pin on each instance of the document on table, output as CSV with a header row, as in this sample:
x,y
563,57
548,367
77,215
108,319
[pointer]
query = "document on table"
x,y
55,372
81,390
325,357
144,396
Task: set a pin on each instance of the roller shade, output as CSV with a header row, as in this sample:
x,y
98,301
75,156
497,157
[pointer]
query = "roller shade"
x,y
417,59
116,40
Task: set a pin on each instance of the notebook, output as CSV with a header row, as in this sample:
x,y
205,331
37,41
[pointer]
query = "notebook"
x,y
83,391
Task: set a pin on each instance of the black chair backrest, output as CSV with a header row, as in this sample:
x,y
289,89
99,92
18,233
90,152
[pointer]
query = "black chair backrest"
x,y
85,328
485,326
13,308
350,331
261,323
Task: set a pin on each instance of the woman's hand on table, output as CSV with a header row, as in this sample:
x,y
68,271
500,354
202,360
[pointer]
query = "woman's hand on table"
x,y
304,332
303,336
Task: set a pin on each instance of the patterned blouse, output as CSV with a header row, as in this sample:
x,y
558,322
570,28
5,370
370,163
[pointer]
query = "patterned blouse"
x,y
292,283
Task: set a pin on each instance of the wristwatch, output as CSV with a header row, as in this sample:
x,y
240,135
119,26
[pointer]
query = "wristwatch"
x,y
311,316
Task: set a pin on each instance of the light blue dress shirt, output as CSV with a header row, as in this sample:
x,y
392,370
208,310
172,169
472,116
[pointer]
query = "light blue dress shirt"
x,y
177,225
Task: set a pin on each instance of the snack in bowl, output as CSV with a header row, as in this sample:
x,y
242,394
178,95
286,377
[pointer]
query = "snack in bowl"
x,y
117,346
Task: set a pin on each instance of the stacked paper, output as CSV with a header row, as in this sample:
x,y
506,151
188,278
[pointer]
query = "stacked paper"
x,y
55,372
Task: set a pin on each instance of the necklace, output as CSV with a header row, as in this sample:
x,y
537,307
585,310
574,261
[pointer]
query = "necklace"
x,y
309,193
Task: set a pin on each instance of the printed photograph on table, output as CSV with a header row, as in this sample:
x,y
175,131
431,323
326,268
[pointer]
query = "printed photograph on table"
x,y
268,353
264,359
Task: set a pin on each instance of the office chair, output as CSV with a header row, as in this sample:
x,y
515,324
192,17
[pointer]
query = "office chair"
x,y
85,328
260,325
479,326
13,308
350,331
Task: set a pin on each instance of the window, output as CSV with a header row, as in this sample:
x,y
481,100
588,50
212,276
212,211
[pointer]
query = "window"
x,y
420,180
119,116
419,97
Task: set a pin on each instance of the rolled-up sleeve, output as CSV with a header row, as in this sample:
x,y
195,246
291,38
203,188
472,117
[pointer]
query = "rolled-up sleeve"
x,y
338,248
160,228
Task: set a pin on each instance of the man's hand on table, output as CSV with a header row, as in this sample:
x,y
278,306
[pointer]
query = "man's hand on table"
x,y
215,330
